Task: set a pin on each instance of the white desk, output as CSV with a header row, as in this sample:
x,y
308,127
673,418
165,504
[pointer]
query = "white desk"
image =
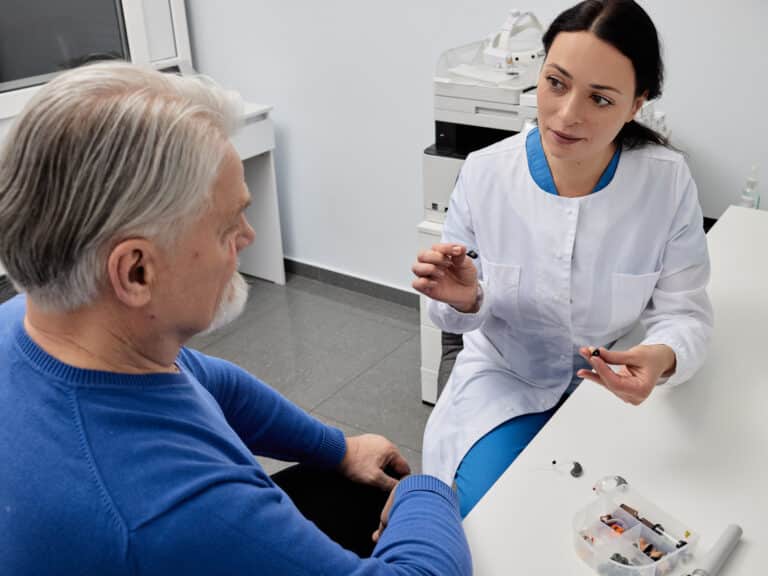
x,y
698,451
255,142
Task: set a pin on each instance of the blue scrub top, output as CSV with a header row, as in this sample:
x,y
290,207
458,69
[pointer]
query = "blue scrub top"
x,y
542,175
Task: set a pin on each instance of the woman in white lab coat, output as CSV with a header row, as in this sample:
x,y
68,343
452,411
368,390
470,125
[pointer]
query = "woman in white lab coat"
x,y
579,229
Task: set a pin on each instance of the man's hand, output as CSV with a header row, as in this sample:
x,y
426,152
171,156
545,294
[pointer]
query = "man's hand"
x,y
642,366
368,456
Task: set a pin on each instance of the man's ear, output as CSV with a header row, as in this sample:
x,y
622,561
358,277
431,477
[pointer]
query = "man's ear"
x,y
132,269
637,104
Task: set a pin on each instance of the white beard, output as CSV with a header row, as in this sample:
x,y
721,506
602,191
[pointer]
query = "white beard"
x,y
231,305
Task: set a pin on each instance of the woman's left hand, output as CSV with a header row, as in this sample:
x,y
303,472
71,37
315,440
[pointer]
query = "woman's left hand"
x,y
641,368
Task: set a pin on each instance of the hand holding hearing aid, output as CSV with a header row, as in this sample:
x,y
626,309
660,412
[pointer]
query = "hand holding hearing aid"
x,y
446,273
640,369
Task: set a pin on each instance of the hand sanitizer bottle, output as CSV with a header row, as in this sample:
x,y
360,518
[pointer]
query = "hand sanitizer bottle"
x,y
749,196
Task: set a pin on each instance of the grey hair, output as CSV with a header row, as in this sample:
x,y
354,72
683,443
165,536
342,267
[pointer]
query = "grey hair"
x,y
102,153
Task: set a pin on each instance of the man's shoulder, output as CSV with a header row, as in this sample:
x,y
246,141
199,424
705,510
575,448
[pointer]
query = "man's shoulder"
x,y
11,312
14,304
203,366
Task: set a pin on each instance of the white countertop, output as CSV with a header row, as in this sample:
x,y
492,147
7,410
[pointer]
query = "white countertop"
x,y
698,451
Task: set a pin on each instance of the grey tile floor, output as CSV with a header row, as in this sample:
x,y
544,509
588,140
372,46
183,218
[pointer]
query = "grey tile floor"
x,y
349,359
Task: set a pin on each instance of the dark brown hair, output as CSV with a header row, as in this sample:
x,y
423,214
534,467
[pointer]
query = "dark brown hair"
x,y
627,27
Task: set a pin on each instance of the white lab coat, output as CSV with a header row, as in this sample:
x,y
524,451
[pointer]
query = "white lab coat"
x,y
559,273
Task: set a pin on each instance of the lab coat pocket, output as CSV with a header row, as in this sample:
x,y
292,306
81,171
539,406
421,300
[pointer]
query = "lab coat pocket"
x,y
631,294
503,282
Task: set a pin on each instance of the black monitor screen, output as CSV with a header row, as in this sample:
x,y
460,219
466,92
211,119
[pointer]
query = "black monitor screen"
x,y
40,38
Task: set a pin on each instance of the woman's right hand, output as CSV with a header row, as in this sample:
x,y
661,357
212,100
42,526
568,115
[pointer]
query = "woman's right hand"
x,y
445,273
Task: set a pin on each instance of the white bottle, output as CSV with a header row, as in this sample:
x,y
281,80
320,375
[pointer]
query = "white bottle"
x,y
749,196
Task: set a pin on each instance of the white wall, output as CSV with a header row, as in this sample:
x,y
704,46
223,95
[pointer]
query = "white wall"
x,y
351,85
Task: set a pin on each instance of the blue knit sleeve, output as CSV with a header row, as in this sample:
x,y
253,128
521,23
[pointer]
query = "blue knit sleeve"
x,y
268,423
235,528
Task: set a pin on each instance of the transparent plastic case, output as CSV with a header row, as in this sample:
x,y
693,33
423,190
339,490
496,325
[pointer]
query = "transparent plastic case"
x,y
623,534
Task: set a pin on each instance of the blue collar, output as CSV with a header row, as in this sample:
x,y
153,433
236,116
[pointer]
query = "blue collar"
x,y
542,175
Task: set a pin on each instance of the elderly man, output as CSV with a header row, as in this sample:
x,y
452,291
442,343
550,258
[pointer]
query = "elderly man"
x,y
122,212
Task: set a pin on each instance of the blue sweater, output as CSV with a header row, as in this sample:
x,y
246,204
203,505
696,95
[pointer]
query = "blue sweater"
x,y
105,473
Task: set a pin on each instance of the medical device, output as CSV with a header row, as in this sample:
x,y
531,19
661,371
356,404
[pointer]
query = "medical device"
x,y
484,92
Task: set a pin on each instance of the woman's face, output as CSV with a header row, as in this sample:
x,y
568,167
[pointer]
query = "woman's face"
x,y
586,93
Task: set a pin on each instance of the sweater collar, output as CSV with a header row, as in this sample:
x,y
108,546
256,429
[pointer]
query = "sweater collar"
x,y
74,376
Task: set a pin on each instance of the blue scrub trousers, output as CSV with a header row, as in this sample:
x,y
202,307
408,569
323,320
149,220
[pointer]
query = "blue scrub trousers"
x,y
490,456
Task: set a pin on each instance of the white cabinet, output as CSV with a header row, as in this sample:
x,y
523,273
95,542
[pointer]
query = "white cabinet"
x,y
439,177
428,234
